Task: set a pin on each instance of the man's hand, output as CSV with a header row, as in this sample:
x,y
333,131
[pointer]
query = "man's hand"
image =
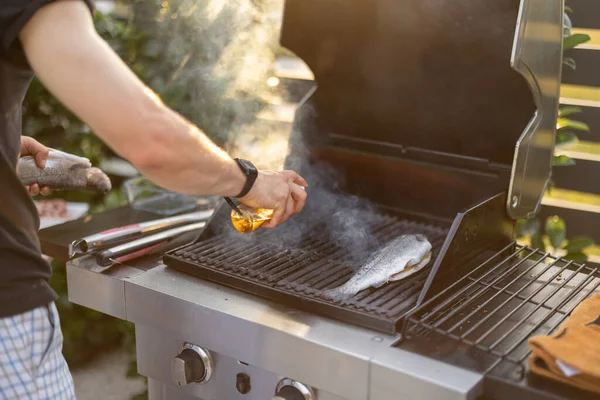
x,y
284,192
31,147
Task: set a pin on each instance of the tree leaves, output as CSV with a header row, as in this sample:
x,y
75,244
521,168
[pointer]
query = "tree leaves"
x,y
528,227
575,40
565,123
578,244
568,110
576,257
537,242
556,231
562,161
564,138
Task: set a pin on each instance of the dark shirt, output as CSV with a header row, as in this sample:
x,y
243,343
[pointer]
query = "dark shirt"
x,y
24,274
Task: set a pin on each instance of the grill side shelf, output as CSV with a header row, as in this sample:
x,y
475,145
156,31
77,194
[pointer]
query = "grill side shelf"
x,y
515,294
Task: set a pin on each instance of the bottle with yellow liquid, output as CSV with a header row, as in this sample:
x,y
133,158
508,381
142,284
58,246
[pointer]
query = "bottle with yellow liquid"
x,y
250,219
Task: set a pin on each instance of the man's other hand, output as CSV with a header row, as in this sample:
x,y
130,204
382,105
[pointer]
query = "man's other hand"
x,y
31,147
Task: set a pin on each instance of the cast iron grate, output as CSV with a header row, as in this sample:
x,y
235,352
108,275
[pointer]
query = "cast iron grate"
x,y
297,275
517,293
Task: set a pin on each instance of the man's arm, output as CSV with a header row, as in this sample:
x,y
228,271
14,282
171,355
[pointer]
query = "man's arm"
x,y
86,75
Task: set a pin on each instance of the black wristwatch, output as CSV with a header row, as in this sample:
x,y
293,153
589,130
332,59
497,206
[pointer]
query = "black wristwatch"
x,y
251,173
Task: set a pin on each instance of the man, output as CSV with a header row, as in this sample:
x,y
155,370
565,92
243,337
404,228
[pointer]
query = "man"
x,y
56,39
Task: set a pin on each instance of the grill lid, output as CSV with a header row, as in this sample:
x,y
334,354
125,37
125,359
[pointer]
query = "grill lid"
x,y
470,79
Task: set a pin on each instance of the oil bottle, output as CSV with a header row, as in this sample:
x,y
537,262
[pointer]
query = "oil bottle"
x,y
250,219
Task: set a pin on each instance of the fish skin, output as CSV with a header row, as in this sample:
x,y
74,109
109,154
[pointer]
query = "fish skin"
x,y
398,259
63,171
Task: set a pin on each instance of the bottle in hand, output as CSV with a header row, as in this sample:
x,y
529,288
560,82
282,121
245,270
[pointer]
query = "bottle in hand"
x,y
250,219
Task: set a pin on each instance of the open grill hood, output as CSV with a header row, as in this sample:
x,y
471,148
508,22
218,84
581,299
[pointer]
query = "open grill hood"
x,y
465,84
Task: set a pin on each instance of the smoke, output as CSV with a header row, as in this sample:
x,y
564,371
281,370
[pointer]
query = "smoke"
x,y
346,220
331,213
222,52
210,60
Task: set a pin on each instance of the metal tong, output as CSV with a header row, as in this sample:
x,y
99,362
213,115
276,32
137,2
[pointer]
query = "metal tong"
x,y
233,206
153,244
117,236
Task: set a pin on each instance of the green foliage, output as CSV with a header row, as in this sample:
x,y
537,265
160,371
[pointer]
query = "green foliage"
x,y
571,41
565,135
562,161
575,40
568,110
555,233
564,138
565,126
565,123
578,244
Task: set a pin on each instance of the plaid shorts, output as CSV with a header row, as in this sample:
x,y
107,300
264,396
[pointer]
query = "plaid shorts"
x,y
32,366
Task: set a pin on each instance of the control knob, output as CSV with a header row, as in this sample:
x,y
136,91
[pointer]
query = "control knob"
x,y
288,389
192,365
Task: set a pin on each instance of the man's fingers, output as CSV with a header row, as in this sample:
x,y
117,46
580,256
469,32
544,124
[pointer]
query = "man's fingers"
x,y
276,218
40,158
34,189
30,146
46,191
289,210
297,179
299,195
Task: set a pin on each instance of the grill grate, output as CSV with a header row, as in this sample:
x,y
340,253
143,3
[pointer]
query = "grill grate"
x,y
265,265
517,293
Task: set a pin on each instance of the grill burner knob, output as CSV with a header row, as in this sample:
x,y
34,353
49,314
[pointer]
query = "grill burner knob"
x,y
288,389
191,365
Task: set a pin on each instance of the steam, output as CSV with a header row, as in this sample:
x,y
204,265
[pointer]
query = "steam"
x,y
226,79
330,213
215,59
347,221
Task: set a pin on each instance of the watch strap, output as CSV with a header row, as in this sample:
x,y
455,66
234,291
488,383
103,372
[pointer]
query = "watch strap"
x,y
251,174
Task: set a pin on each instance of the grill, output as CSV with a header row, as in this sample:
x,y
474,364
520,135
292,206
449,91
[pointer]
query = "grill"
x,y
437,134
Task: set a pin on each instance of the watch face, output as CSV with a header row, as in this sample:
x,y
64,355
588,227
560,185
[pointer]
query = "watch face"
x,y
247,165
